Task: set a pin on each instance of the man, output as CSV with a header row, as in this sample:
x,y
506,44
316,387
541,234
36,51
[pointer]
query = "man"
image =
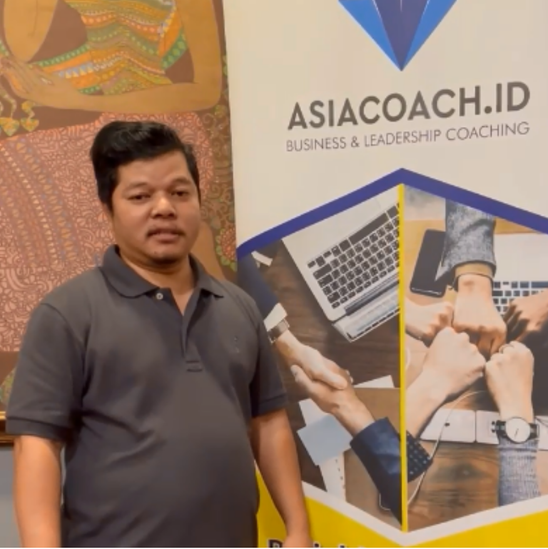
x,y
157,380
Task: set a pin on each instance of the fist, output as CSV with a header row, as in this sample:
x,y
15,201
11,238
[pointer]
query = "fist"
x,y
424,322
476,314
527,320
453,362
509,377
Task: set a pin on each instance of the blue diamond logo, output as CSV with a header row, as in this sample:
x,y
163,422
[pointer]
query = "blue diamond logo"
x,y
398,27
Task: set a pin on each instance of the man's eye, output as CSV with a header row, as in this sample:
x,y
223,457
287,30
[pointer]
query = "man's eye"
x,y
181,193
138,197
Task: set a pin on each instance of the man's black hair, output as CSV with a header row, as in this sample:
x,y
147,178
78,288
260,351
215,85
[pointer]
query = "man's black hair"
x,y
120,143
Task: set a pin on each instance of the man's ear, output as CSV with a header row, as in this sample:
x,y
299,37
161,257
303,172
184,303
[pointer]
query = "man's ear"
x,y
106,212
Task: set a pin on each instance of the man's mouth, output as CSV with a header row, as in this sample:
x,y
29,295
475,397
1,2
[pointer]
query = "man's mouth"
x,y
167,235
173,232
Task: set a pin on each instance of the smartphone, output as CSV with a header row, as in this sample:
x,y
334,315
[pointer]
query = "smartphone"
x,y
424,281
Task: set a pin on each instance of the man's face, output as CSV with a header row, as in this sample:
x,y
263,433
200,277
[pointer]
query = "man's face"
x,y
156,210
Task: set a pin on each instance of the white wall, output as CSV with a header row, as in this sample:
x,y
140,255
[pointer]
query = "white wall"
x,y
8,531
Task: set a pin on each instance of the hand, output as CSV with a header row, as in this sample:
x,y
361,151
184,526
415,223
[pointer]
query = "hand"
x,y
476,314
343,404
527,319
314,364
34,84
424,322
452,363
509,377
298,540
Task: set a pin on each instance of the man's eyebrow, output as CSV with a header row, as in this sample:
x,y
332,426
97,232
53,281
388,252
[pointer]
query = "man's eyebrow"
x,y
136,185
184,180
180,180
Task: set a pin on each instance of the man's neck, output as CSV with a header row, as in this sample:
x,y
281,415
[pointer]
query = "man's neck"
x,y
180,278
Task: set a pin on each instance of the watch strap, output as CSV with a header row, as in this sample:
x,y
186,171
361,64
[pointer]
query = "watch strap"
x,y
500,429
276,331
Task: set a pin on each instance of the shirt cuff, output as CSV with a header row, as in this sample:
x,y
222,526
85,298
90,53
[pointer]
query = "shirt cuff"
x,y
482,269
378,448
528,446
22,427
270,405
274,317
262,259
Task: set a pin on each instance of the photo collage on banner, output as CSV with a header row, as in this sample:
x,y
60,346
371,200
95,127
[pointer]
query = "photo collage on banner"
x,y
391,225
459,426
336,285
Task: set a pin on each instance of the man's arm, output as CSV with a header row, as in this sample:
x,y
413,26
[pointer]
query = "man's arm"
x,y
41,410
274,445
37,491
276,456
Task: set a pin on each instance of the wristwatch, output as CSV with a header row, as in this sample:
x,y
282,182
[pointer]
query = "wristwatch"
x,y
516,430
275,332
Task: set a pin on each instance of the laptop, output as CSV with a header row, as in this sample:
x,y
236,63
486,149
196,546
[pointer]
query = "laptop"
x,y
522,267
350,262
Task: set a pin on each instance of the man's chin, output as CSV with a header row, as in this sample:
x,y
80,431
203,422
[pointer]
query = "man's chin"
x,y
166,260
164,257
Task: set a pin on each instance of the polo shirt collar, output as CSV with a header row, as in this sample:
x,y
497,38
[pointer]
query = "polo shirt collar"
x,y
129,284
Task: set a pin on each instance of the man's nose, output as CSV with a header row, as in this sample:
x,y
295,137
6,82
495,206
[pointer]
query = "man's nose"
x,y
163,207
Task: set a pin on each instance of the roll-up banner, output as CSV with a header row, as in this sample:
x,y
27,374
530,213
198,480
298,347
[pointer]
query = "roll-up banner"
x,y
390,188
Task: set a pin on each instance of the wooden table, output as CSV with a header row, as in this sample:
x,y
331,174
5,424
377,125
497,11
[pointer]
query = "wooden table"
x,y
464,477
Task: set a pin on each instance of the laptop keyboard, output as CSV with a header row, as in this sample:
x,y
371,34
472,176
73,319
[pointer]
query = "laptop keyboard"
x,y
359,261
504,292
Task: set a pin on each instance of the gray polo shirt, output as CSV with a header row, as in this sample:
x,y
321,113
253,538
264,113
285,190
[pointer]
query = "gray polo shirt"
x,y
154,407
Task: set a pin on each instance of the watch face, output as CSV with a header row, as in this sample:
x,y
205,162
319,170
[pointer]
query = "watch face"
x,y
518,430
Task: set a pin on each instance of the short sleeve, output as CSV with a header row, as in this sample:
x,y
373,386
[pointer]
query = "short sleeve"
x,y
47,384
267,389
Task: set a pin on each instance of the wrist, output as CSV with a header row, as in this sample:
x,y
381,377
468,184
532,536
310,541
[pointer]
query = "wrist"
x,y
353,415
473,283
289,347
423,398
412,327
298,525
516,409
432,388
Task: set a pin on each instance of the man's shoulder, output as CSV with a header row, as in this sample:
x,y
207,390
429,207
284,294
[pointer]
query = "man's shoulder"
x,y
76,293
